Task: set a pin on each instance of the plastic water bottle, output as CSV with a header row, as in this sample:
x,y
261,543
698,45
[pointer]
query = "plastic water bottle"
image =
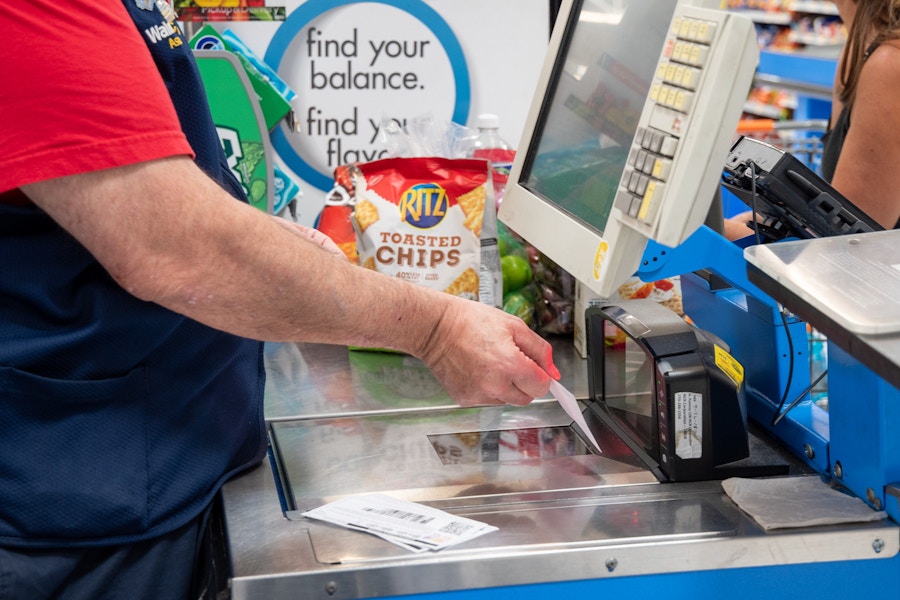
x,y
488,144
488,136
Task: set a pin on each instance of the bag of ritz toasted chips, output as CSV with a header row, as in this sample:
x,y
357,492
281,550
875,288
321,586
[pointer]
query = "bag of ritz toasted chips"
x,y
421,219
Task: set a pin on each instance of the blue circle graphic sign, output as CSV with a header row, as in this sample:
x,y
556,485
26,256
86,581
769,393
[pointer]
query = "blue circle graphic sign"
x,y
307,12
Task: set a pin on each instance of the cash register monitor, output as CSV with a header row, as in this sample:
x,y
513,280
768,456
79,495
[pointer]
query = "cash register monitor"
x,y
628,131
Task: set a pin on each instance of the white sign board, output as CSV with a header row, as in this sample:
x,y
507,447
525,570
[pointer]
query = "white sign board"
x,y
354,64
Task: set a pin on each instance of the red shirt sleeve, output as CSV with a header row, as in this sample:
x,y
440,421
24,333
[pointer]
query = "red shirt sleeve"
x,y
80,93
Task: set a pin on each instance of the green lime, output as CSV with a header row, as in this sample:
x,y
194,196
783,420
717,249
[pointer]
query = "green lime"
x,y
516,272
517,304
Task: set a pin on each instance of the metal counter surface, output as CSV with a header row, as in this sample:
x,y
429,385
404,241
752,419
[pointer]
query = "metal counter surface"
x,y
845,286
346,422
317,380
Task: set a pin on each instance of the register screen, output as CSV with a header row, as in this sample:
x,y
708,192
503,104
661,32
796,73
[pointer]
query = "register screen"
x,y
602,82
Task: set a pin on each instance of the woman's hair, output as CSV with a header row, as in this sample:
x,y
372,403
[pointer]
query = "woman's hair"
x,y
881,17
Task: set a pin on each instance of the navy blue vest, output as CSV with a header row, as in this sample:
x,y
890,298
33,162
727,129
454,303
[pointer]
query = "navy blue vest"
x,y
120,419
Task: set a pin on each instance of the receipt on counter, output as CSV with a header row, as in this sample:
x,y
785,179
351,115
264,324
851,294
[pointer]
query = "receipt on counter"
x,y
567,400
410,525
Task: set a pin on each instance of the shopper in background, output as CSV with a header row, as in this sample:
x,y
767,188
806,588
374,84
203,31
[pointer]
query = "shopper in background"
x,y
861,156
133,286
861,153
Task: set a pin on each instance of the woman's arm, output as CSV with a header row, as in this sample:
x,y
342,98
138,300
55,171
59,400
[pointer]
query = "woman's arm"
x,y
868,169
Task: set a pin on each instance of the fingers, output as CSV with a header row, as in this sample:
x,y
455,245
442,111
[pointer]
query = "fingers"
x,y
517,397
511,396
515,380
504,363
537,349
533,384
470,402
532,370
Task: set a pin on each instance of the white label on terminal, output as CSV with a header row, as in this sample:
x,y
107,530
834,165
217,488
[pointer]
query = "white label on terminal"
x,y
688,425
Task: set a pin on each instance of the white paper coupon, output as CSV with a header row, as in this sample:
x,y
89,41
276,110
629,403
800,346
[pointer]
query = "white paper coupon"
x,y
567,400
410,525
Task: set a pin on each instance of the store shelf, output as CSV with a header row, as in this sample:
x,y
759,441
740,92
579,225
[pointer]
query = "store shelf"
x,y
802,71
809,78
767,17
812,39
813,7
760,109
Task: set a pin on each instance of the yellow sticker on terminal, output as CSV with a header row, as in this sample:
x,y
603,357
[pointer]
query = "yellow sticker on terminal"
x,y
599,257
647,202
731,367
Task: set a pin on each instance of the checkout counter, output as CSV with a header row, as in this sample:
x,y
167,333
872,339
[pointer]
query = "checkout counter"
x,y
570,522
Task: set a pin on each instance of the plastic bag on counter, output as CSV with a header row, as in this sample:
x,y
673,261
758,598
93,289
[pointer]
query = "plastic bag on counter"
x,y
425,135
536,289
554,307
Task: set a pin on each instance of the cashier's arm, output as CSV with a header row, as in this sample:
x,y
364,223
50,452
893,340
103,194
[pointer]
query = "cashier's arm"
x,y
169,234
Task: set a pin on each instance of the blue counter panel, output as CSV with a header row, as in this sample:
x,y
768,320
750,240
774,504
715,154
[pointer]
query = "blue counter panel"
x,y
824,581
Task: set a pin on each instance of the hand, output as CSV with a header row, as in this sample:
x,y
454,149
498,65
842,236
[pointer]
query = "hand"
x,y
483,355
737,226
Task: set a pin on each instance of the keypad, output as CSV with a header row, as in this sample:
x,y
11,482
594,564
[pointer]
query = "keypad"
x,y
672,94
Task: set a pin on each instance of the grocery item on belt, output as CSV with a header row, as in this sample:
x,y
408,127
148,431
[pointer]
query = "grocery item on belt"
x,y
335,220
420,219
666,291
